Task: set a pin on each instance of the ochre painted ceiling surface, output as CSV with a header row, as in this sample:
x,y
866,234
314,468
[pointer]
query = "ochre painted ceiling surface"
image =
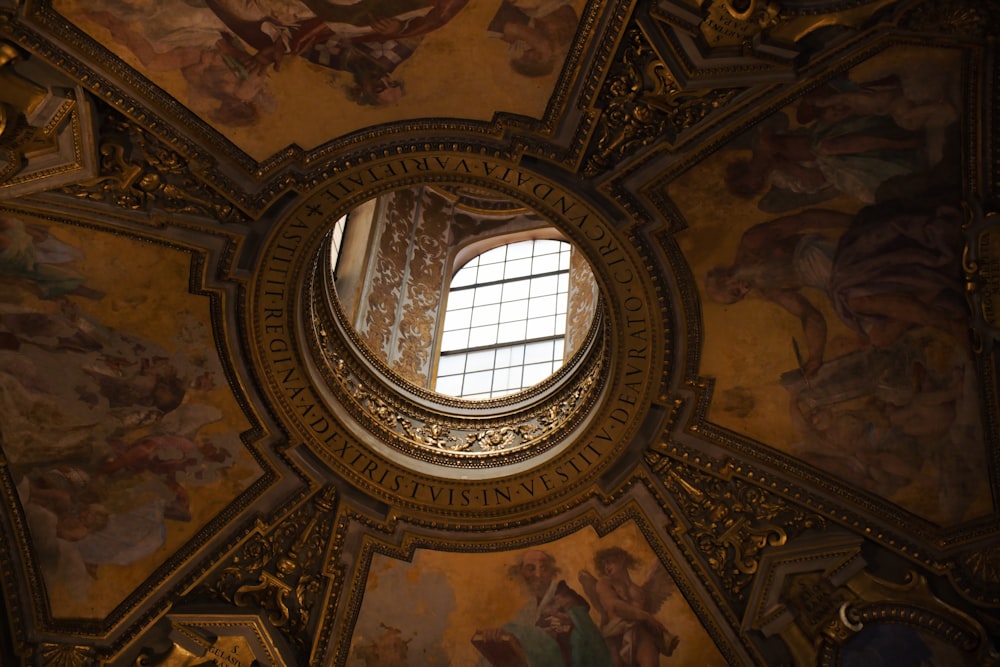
x,y
777,445
449,60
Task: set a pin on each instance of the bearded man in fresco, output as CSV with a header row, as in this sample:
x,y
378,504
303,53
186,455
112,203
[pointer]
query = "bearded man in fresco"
x,y
897,265
553,628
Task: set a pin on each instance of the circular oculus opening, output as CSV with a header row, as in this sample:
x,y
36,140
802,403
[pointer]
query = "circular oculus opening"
x,y
461,292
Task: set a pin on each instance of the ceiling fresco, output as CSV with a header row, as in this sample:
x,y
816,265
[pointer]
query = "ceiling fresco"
x,y
119,433
776,442
914,386
365,63
452,623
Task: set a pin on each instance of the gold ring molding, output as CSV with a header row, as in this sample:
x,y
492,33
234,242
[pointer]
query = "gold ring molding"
x,y
449,457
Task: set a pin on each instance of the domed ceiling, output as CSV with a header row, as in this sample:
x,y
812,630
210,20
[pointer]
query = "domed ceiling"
x,y
775,441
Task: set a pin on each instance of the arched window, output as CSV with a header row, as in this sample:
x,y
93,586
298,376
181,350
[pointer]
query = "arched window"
x,y
505,321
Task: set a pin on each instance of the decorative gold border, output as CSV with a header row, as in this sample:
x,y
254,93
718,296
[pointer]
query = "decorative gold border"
x,y
637,348
249,184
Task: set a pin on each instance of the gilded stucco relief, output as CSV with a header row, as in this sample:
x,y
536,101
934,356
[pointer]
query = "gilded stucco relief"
x,y
583,301
417,231
382,291
407,284
426,287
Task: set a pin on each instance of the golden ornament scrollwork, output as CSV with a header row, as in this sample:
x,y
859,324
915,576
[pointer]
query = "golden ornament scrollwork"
x,y
281,572
643,103
981,262
137,172
730,522
423,432
426,431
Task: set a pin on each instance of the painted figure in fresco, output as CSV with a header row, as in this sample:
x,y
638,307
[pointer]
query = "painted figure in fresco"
x,y
539,33
853,155
28,253
854,139
895,266
368,39
896,420
634,635
883,97
554,628
193,41
102,429
164,457
225,49
67,491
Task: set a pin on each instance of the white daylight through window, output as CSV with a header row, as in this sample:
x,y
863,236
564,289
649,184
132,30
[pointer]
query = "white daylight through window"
x,y
505,324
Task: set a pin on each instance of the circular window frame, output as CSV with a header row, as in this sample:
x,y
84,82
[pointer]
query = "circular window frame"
x,y
291,329
440,429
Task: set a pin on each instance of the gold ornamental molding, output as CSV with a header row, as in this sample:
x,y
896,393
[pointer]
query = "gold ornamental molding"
x,y
467,460
981,262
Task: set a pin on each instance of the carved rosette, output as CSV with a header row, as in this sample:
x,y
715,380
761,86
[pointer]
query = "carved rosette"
x,y
985,565
281,572
731,522
642,103
139,173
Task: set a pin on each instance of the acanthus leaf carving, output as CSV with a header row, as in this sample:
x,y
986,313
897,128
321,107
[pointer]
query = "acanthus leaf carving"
x,y
730,521
281,572
644,103
438,435
139,173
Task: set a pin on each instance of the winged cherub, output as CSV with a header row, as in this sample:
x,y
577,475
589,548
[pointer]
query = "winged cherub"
x,y
628,622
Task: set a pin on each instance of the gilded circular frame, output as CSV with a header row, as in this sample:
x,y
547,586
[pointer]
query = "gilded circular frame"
x,y
335,398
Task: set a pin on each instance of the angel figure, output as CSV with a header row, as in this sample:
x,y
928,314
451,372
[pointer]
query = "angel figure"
x,y
628,622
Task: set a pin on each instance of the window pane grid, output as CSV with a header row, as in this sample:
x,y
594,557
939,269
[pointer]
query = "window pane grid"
x,y
512,335
498,371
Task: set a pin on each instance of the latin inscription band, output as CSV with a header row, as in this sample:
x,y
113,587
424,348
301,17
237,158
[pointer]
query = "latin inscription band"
x,y
290,251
